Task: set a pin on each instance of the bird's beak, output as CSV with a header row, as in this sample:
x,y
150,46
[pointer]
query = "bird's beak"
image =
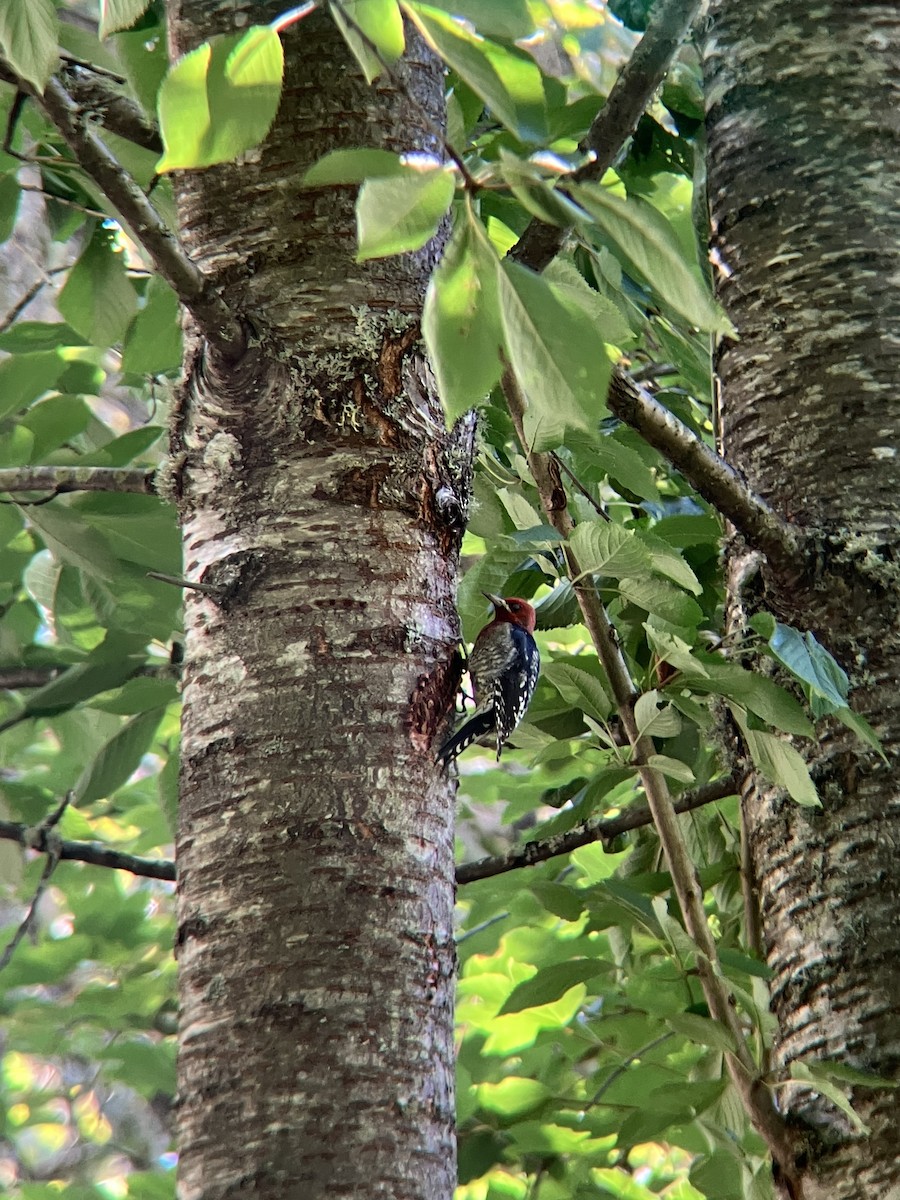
x,y
497,601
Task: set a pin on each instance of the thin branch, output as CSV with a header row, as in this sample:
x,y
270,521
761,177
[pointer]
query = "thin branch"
x,y
45,833
88,852
616,120
576,482
707,472
744,1072
90,212
76,479
623,1066
596,829
117,112
196,292
32,291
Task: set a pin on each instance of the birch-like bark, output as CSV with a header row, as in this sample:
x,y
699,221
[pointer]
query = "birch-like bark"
x,y
319,489
804,189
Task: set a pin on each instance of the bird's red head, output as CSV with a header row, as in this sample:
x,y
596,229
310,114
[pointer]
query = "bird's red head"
x,y
512,609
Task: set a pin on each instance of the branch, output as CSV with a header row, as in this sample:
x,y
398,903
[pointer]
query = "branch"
x,y
88,852
596,829
77,479
745,1074
707,472
195,291
117,112
44,831
616,120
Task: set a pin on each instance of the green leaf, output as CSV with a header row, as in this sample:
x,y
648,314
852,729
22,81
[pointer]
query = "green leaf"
x,y
125,449
153,342
666,560
71,541
662,599
674,768
604,548
809,1073
10,195
579,688
606,455
78,684
703,1030
28,336
353,166
508,19
556,354
654,717
28,38
402,213
779,762
735,961
550,983
25,377
120,14
508,81
119,758
643,237
221,99
763,697
373,29
98,300
139,529
606,317
53,422
512,1095
861,727
461,322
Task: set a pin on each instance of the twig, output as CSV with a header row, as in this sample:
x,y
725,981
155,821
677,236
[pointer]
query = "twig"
x,y
626,102
71,61
196,292
596,829
745,1074
44,833
708,472
117,112
623,1066
88,852
76,479
22,303
91,212
180,582
595,504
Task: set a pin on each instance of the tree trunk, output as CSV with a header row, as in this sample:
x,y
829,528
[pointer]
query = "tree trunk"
x,y
805,201
321,494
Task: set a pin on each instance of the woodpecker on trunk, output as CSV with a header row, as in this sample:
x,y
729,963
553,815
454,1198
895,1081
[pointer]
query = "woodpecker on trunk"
x,y
503,666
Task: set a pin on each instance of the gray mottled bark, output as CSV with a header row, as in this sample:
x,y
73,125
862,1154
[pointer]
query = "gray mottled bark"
x,y
804,186
319,490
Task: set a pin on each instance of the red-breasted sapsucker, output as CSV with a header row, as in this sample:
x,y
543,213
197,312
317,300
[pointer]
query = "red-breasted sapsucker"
x,y
503,666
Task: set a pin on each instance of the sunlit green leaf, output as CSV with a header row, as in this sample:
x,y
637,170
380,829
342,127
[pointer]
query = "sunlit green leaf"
x,y
373,30
556,355
220,100
647,242
507,81
461,321
552,982
353,166
402,213
120,14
